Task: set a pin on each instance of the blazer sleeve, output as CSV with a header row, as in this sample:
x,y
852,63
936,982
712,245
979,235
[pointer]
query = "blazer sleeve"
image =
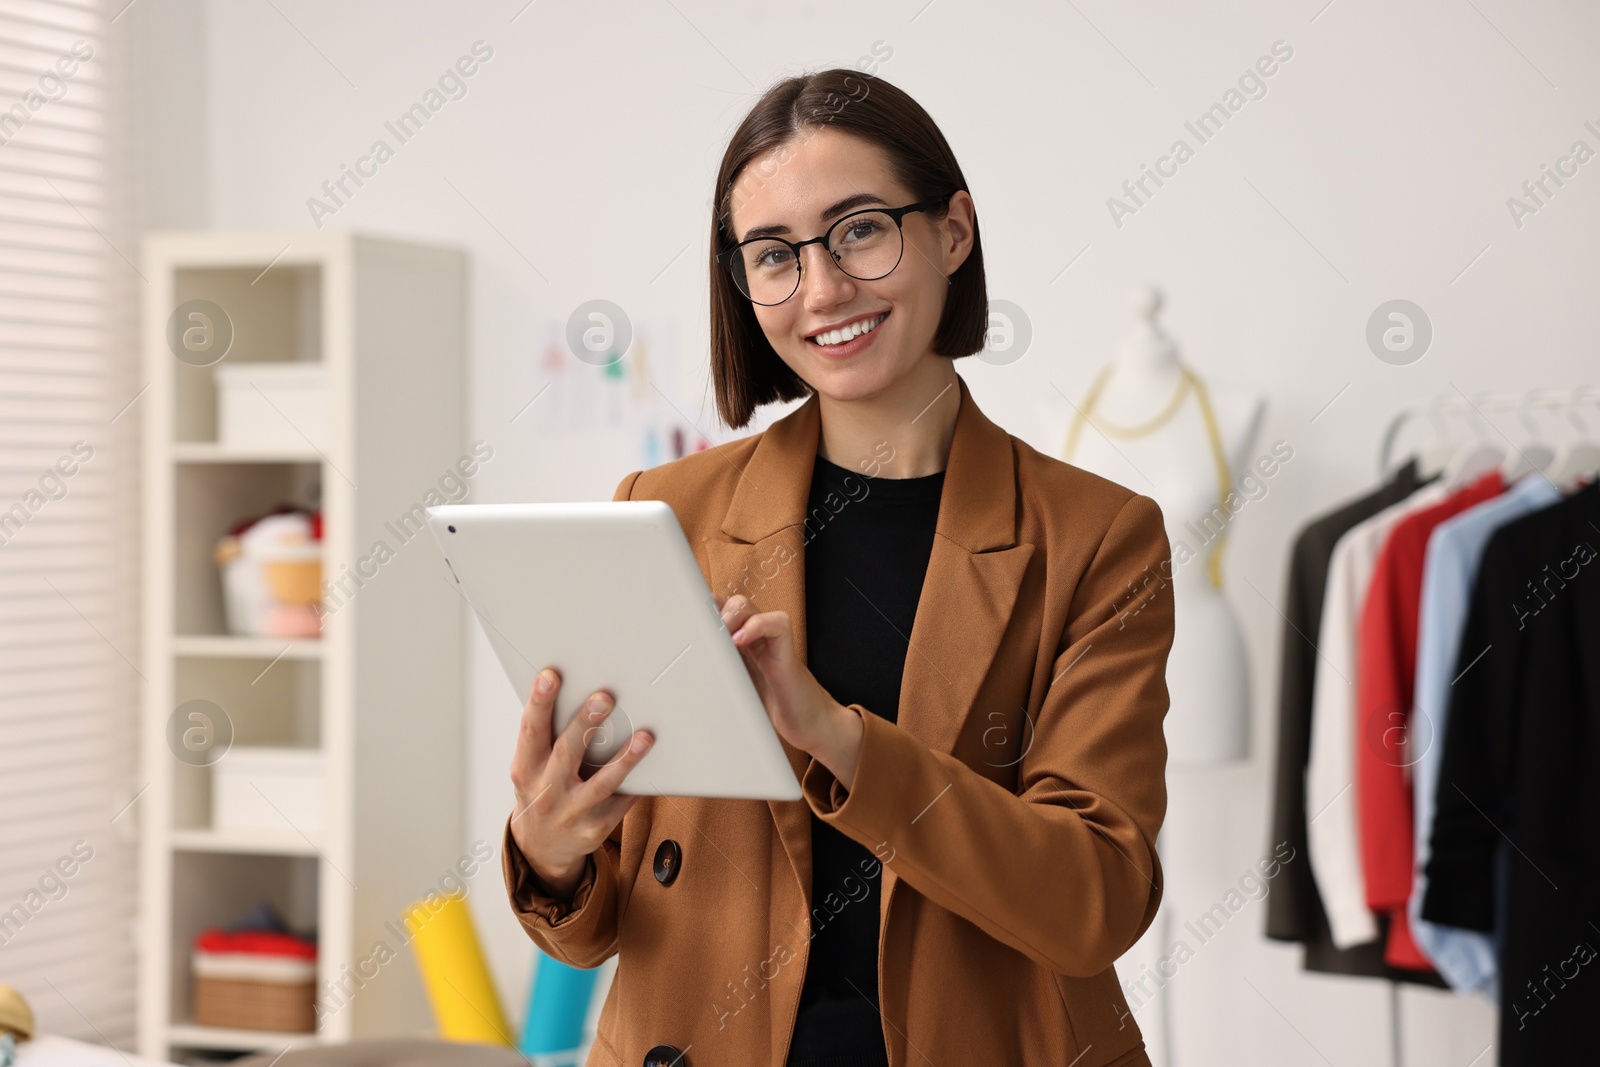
x,y
1292,894
581,932
1065,869
1473,792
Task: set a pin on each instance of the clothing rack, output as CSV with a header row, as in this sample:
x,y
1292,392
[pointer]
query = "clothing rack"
x,y
1567,400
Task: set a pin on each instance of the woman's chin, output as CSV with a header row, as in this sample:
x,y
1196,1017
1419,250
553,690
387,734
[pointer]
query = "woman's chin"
x,y
844,386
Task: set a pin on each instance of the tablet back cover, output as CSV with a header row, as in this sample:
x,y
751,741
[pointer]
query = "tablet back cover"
x,y
609,594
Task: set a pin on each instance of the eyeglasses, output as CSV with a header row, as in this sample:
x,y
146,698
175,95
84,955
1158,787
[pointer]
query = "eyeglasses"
x,y
865,244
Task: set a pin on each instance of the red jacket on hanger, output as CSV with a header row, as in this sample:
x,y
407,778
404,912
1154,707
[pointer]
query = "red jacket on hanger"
x,y
1387,741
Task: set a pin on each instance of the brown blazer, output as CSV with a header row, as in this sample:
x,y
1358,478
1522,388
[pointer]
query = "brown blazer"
x,y
1014,806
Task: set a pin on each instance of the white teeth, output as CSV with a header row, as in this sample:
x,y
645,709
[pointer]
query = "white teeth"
x,y
855,329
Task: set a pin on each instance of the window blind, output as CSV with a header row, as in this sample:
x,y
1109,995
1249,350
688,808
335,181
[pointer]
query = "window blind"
x,y
69,665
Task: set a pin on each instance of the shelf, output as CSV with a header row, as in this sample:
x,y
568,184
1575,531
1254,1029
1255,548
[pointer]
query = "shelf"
x,y
192,1035
379,693
212,452
209,499
228,646
253,842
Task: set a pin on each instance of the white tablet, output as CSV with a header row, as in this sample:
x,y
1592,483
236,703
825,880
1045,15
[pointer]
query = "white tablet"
x,y
611,596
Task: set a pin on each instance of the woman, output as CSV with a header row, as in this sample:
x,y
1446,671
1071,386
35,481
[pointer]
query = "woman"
x,y
962,647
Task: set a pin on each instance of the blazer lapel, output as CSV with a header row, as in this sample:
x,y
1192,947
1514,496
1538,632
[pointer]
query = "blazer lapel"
x,y
974,573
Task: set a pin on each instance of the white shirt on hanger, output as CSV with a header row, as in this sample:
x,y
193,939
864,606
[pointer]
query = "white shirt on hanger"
x,y
1331,771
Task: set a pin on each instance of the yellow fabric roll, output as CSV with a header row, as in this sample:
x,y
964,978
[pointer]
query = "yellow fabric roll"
x,y
465,1004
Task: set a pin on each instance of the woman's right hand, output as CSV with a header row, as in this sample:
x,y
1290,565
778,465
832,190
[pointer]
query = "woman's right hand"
x,y
561,817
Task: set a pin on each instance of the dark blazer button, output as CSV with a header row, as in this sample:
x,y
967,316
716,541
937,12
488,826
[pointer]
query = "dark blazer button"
x,y
669,857
665,1055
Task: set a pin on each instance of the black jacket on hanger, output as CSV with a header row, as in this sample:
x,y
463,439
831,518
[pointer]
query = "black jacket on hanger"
x,y
1294,907
1521,760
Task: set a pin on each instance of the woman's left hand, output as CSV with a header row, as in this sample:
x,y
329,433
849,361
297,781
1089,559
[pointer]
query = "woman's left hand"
x,y
800,709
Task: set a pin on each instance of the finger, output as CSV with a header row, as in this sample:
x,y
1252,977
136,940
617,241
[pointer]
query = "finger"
x,y
603,784
773,624
735,610
533,732
569,748
610,811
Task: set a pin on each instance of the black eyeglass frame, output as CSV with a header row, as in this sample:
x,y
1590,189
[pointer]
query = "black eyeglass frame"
x,y
896,213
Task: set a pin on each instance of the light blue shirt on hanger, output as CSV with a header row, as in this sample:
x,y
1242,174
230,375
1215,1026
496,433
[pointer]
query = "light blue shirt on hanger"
x,y
1465,958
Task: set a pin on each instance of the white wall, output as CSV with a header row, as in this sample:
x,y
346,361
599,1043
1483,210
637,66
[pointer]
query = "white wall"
x,y
1377,166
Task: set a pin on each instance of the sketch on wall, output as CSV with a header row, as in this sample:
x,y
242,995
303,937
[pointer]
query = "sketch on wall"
x,y
630,392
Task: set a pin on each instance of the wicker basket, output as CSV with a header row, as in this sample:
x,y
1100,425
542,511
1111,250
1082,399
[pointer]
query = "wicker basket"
x,y
255,1005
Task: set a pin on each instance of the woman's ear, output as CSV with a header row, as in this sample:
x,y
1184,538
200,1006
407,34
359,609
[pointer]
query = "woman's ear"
x,y
956,230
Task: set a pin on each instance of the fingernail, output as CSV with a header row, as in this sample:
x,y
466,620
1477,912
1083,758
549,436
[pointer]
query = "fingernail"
x,y
546,680
641,743
597,707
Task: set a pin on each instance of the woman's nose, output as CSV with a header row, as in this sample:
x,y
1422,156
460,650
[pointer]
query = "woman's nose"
x,y
821,281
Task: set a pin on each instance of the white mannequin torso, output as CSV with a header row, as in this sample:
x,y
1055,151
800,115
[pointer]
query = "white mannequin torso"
x,y
1207,671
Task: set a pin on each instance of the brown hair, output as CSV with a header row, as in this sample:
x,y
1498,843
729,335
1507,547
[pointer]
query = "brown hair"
x,y
746,370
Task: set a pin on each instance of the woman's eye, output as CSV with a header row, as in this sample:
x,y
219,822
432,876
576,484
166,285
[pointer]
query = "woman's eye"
x,y
860,231
773,258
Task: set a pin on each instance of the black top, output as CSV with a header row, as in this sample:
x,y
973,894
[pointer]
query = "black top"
x,y
1294,906
1521,748
867,546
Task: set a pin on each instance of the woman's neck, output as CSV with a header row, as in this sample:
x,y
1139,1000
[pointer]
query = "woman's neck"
x,y
904,432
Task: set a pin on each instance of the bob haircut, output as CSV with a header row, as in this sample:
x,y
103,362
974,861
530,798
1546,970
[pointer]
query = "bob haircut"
x,y
746,369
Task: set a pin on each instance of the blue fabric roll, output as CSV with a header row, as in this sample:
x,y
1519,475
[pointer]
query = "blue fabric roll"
x,y
558,1006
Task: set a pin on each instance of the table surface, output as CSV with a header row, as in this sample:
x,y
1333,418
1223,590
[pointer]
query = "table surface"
x,y
49,1050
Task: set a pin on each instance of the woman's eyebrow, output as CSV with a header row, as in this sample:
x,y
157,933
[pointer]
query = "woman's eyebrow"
x,y
831,212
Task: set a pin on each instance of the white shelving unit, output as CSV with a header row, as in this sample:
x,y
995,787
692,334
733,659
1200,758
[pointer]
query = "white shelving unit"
x,y
379,692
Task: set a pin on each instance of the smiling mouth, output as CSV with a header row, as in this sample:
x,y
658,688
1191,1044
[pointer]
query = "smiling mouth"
x,y
829,338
